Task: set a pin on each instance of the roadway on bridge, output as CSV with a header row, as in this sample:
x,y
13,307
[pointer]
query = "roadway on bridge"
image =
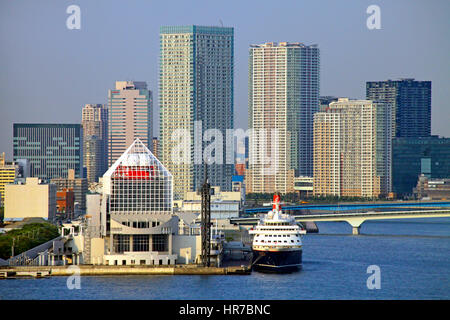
x,y
356,219
355,206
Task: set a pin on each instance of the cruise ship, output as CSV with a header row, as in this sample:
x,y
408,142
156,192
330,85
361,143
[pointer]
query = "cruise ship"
x,y
277,243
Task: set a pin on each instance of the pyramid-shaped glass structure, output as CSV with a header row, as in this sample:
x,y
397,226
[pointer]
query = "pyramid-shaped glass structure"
x,y
138,183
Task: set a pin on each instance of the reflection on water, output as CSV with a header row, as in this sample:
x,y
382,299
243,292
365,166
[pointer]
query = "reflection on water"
x,y
413,255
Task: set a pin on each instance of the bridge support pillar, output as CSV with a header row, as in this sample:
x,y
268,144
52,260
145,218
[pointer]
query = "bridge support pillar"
x,y
356,225
355,230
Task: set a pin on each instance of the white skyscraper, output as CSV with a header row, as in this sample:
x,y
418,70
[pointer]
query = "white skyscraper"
x,y
283,96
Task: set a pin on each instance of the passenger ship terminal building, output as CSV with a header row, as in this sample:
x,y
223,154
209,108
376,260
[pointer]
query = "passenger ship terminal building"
x,y
137,220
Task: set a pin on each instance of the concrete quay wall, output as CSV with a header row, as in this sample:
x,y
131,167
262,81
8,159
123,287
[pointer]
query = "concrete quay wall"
x,y
99,270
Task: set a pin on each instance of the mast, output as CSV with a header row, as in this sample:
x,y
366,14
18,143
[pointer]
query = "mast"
x,y
206,221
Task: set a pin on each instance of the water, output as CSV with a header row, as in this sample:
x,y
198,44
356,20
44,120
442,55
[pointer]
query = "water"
x,y
413,255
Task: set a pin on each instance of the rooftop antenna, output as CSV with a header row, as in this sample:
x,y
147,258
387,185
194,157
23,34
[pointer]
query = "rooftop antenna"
x,y
221,23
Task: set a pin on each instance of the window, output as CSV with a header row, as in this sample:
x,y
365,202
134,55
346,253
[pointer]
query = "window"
x,y
140,242
142,261
121,243
159,242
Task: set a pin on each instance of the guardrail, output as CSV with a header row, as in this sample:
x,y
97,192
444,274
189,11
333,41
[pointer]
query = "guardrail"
x,y
341,216
371,213
351,206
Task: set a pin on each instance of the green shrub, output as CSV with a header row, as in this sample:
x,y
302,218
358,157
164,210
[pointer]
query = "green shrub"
x,y
30,236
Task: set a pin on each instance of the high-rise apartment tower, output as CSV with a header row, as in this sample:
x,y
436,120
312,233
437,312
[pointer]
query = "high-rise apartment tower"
x,y
94,121
196,98
283,97
130,111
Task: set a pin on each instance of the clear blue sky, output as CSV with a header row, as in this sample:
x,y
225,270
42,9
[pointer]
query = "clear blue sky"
x,y
49,72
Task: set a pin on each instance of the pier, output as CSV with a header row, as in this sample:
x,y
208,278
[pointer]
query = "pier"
x,y
100,270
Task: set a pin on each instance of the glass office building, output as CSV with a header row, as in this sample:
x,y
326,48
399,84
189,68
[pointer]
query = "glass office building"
x,y
51,149
412,157
411,102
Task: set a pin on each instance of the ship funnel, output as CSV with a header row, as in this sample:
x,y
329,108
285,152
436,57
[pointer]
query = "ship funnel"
x,y
276,202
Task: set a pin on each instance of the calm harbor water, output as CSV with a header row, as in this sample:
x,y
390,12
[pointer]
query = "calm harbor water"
x,y
413,256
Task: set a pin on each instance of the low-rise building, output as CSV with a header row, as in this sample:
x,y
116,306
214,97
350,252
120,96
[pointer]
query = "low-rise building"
x,y
78,185
238,185
10,172
304,185
432,189
65,203
224,204
32,199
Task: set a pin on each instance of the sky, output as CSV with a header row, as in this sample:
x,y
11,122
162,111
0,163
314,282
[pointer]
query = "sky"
x,y
49,72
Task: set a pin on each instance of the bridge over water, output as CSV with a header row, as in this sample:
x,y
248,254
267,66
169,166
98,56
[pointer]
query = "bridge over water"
x,y
356,219
354,206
